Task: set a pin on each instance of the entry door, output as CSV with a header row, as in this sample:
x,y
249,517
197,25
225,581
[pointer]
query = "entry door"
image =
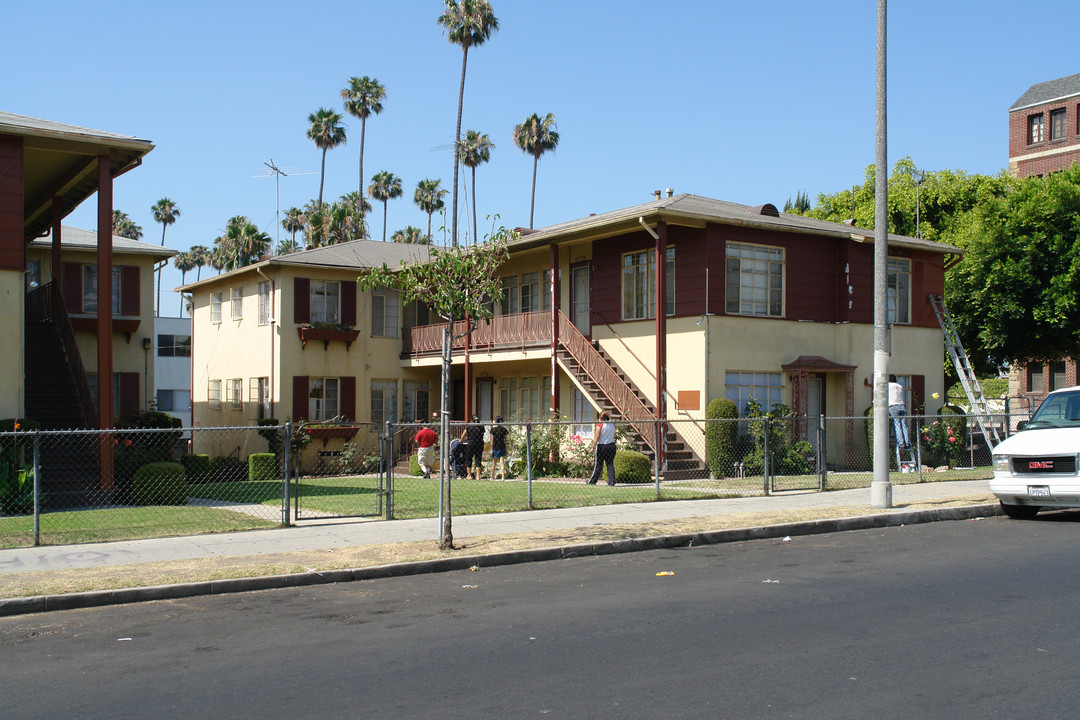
x,y
580,298
814,405
484,399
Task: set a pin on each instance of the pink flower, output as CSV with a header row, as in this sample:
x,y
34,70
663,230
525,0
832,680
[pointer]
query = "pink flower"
x,y
952,438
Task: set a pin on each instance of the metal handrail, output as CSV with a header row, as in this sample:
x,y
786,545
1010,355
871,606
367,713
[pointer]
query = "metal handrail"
x,y
46,305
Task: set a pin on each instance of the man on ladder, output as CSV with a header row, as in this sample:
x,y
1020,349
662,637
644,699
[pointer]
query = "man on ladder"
x,y
905,455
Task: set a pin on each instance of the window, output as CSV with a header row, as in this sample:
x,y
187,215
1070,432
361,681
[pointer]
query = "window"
x,y
755,280
383,401
1034,378
582,412
416,314
1057,376
414,403
264,303
510,296
215,307
233,388
174,345
173,400
33,274
323,399
165,400
236,303
384,313
528,292
899,290
639,284
325,301
524,398
1035,128
213,394
508,401
1057,124
765,387
90,289
259,397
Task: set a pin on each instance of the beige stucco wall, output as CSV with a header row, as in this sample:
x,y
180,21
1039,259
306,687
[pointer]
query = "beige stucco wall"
x,y
12,294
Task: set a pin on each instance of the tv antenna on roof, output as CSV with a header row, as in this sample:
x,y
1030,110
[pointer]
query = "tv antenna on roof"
x,y
278,173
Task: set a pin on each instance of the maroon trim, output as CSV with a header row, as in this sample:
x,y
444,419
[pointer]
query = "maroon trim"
x,y
301,301
348,398
348,303
130,300
300,390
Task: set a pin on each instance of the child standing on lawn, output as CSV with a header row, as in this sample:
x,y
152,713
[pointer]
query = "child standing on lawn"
x,y
498,448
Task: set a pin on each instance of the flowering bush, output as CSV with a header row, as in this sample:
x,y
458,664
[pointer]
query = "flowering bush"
x,y
944,439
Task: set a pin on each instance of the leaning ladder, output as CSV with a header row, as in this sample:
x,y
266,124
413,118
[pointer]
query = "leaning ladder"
x,y
967,375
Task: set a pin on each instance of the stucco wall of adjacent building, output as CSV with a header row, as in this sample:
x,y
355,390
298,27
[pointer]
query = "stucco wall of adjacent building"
x,y
12,293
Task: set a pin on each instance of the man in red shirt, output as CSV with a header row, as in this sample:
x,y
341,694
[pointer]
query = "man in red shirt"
x,y
425,449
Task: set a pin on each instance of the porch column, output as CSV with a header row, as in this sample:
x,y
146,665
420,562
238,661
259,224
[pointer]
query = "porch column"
x,y
661,335
849,405
57,239
554,330
104,318
468,371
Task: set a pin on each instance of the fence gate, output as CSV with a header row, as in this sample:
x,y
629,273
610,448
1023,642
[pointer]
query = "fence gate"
x,y
338,471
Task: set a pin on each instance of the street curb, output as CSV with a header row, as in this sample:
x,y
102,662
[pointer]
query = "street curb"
x,y
100,598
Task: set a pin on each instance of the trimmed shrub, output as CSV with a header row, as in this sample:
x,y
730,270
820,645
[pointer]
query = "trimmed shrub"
x,y
720,436
632,467
262,466
197,468
228,469
414,466
160,483
944,439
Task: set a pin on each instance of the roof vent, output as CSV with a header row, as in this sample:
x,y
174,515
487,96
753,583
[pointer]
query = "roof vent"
x,y
656,194
670,191
850,222
767,209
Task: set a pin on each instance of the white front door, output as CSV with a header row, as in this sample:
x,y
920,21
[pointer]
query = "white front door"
x,y
483,401
580,300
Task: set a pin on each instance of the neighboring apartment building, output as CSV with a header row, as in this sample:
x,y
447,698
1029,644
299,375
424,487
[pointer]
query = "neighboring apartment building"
x,y
752,303
1044,128
172,367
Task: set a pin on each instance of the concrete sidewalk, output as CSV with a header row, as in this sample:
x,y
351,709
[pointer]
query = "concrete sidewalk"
x,y
328,534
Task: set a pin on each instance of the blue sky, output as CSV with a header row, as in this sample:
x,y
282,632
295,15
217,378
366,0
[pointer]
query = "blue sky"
x,y
746,102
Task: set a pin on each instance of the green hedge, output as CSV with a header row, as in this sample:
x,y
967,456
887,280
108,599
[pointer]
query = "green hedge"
x,y
197,468
227,468
160,483
720,437
262,466
632,467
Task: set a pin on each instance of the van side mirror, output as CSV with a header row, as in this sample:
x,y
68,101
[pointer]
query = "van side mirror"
x,y
1021,425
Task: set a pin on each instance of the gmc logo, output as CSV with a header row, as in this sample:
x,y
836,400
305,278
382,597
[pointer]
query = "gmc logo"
x,y
1041,465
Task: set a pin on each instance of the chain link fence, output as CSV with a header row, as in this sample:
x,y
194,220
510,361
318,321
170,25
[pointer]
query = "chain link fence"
x,y
84,486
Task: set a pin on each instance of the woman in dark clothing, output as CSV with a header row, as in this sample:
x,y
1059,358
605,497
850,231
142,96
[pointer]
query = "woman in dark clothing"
x,y
498,448
473,436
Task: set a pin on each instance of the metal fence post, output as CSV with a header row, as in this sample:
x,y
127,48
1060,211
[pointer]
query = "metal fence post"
x,y
528,462
388,459
37,489
821,451
286,455
765,459
656,457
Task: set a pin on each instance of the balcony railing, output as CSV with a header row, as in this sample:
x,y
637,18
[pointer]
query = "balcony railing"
x,y
46,304
502,332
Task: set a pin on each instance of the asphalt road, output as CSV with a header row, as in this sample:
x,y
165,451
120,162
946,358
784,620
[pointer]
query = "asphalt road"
x,y
953,619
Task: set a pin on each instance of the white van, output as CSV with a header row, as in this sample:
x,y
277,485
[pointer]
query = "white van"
x,y
1035,469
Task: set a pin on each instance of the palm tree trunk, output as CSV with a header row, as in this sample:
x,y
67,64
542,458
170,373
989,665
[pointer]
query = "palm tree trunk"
x,y
532,202
475,233
363,131
429,228
457,142
183,281
384,204
322,177
158,312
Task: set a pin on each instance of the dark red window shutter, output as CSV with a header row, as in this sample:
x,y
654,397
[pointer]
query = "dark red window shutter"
x,y
918,297
348,303
129,290
348,397
918,394
300,389
71,286
301,301
128,403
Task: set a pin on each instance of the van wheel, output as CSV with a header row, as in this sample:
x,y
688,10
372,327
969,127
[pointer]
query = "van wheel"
x,y
1020,512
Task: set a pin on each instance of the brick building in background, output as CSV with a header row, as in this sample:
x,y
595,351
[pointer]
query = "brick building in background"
x,y
1044,128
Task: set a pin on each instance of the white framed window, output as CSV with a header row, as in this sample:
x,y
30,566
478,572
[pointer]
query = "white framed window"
x,y
325,301
385,313
236,303
323,394
90,289
755,280
524,398
899,290
1057,124
765,387
174,345
384,401
259,397
530,292
215,307
639,284
264,303
213,394
584,413
1035,128
510,295
414,400
233,388
508,398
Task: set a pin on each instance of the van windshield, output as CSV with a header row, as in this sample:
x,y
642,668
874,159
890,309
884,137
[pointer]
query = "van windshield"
x,y
1057,410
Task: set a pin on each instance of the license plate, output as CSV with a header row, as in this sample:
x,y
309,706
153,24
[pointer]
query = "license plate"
x,y
1038,491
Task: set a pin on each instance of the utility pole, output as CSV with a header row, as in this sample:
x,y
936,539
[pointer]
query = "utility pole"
x,y
881,486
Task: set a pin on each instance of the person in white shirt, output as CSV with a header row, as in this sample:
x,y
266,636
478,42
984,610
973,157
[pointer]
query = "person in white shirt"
x,y
604,447
898,413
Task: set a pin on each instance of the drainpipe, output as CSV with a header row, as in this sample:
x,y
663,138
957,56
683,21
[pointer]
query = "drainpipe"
x,y
554,404
273,331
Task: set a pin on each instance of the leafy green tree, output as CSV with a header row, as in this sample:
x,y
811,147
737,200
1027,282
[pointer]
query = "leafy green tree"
x,y
384,187
165,211
476,148
124,226
429,198
363,98
326,131
801,204
185,263
410,234
455,283
535,136
468,23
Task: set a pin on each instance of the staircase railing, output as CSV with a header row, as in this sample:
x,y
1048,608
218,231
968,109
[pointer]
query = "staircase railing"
x,y
621,395
46,305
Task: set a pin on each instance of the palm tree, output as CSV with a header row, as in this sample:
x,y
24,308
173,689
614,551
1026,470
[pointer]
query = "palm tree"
x,y
410,234
363,98
468,23
185,263
326,131
124,226
536,136
384,186
429,198
293,223
242,244
286,247
201,256
165,211
476,148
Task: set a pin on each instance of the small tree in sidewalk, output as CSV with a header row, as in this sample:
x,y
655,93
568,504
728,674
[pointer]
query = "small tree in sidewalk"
x,y
455,284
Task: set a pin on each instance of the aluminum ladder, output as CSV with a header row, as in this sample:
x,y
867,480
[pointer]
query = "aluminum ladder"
x,y
965,372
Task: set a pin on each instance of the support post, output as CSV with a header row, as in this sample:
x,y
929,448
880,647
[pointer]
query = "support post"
x,y
106,479
554,309
286,454
661,338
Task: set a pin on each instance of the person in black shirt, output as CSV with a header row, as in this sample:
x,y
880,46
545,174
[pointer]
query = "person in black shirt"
x,y
498,448
473,437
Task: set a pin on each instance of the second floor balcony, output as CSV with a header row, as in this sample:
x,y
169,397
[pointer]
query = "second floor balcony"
x,y
520,331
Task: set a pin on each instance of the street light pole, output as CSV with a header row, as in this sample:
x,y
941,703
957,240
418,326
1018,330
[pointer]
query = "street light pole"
x,y
881,487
